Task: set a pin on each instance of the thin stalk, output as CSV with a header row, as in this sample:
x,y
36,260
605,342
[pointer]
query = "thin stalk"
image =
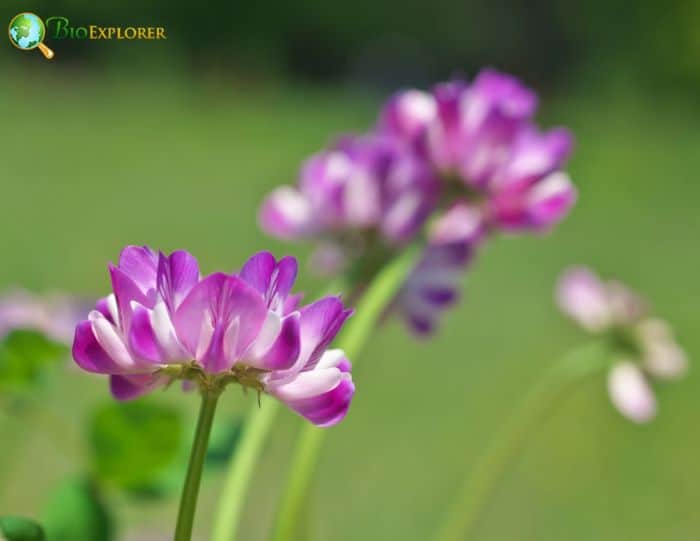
x,y
190,490
355,336
480,483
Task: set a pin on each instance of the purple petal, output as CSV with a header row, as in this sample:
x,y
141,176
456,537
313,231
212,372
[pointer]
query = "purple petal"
x,y
127,291
133,386
445,140
219,320
281,350
257,271
142,338
494,110
90,354
274,280
537,208
109,312
321,396
177,275
140,264
408,114
320,323
461,223
503,93
322,179
533,157
550,200
292,303
581,295
334,358
286,214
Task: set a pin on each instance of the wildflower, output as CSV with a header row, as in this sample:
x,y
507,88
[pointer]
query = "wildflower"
x,y
481,140
644,347
164,321
364,191
467,154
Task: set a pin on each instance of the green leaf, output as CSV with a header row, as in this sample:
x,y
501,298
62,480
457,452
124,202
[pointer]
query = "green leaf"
x,y
20,529
133,443
25,355
76,511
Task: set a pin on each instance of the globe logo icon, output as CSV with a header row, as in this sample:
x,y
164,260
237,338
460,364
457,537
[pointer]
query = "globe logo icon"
x,y
27,32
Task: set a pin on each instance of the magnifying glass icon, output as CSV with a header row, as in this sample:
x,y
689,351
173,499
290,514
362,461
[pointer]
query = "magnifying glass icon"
x,y
27,31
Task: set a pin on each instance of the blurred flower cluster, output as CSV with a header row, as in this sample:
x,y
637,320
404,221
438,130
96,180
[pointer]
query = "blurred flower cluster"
x,y
455,165
53,315
644,346
166,322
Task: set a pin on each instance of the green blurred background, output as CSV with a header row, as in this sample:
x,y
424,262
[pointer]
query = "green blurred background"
x,y
174,144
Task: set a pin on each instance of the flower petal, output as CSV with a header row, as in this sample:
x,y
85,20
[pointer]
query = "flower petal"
x,y
322,396
408,114
133,386
320,323
274,280
286,214
178,273
219,320
630,392
581,295
140,264
87,351
282,351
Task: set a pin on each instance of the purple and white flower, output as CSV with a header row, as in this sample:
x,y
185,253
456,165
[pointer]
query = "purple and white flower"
x,y
363,188
482,137
165,321
644,346
468,154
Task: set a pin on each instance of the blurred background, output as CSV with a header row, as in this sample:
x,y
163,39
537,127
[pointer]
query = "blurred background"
x,y
175,143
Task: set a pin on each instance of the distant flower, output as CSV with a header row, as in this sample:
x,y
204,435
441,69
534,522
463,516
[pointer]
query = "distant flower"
x,y
363,190
645,347
466,158
54,315
164,322
481,136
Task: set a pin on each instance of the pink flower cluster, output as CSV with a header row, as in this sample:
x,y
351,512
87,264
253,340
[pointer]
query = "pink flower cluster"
x,y
164,321
469,154
644,347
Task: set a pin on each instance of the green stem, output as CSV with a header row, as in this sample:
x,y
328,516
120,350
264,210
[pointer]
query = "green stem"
x,y
240,470
369,310
480,483
190,491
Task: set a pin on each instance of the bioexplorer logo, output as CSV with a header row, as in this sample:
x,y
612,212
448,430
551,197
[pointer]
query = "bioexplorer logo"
x,y
27,32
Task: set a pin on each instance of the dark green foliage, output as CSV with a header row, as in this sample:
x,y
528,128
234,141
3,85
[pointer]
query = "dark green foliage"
x,y
133,444
20,529
24,356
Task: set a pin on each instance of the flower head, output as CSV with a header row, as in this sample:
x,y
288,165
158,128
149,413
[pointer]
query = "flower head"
x,y
644,346
458,163
362,187
164,321
481,136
